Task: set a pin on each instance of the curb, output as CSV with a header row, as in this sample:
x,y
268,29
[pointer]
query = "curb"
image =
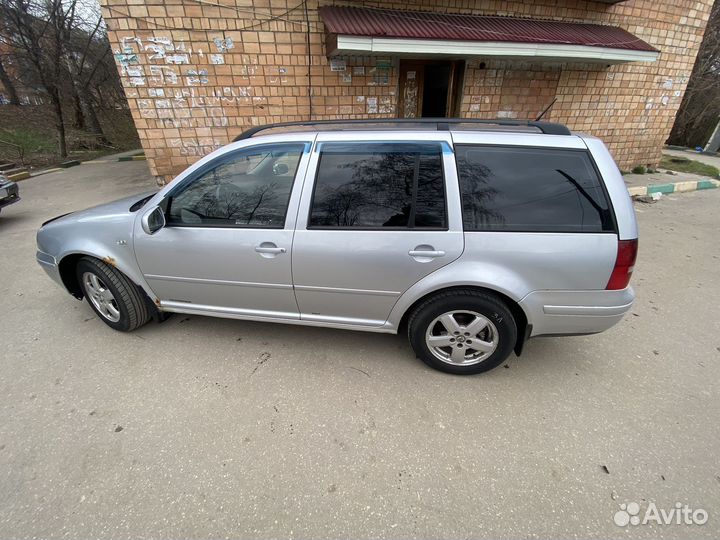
x,y
45,171
18,176
124,158
689,150
673,187
67,164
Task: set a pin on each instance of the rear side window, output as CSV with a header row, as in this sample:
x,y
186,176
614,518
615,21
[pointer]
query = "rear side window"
x,y
531,190
379,185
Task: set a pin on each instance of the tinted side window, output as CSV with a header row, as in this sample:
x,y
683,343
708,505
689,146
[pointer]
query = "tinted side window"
x,y
376,185
530,189
250,188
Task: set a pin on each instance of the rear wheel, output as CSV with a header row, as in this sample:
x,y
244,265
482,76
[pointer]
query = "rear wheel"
x,y
462,332
118,301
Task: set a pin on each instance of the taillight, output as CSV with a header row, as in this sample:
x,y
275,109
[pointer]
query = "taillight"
x,y
624,265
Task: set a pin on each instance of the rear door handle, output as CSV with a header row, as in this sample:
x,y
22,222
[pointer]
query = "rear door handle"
x,y
423,253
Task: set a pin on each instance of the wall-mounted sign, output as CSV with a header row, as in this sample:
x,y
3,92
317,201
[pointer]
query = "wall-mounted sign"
x,y
382,76
372,105
336,64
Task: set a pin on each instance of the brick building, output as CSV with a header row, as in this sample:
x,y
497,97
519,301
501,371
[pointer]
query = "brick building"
x,y
197,72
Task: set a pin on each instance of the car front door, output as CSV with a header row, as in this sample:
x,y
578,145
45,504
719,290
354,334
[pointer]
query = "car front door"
x,y
380,215
226,244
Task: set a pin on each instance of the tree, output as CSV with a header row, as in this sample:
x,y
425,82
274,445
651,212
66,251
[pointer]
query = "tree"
x,y
38,41
700,108
61,47
78,55
8,84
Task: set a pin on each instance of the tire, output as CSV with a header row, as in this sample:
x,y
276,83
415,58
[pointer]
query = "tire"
x,y
124,308
475,318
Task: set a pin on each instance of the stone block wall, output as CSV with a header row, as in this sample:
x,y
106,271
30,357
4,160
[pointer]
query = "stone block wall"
x,y
198,72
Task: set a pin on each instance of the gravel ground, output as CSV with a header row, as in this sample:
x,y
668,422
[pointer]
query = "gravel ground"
x,y
203,427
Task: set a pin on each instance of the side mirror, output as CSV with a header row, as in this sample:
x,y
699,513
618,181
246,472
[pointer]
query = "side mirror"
x,y
280,169
153,221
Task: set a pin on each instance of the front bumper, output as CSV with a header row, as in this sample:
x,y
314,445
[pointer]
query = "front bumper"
x,y
576,312
49,264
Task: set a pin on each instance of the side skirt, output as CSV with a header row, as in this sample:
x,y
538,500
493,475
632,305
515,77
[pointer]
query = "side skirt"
x,y
223,314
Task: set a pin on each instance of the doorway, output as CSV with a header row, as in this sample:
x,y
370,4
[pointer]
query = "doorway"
x,y
430,88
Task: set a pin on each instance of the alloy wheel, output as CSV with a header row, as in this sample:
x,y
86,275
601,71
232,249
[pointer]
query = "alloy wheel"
x,y
461,338
101,297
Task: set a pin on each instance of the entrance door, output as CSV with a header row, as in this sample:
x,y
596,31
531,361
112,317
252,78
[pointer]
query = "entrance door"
x,y
430,89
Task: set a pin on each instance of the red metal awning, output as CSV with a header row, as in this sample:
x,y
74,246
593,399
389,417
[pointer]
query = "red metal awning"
x,y
356,24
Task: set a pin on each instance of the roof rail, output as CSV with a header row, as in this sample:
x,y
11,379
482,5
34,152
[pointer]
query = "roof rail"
x,y
441,124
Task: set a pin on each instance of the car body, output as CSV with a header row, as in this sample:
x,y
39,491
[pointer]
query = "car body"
x,y
9,192
516,233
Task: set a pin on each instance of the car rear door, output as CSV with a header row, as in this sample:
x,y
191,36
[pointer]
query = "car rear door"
x,y
379,211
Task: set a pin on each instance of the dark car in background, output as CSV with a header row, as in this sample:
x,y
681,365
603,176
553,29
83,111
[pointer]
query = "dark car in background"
x,y
9,192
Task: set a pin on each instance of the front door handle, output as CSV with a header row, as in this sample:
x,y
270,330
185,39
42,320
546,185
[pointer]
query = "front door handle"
x,y
429,253
269,249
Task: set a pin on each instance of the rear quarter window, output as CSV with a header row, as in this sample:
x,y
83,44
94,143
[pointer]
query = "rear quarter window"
x,y
531,190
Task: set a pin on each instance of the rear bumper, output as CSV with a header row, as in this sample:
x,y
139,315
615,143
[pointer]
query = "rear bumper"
x,y
9,195
8,201
576,312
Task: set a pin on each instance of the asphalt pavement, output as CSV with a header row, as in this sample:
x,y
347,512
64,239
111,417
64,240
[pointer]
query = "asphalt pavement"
x,y
202,427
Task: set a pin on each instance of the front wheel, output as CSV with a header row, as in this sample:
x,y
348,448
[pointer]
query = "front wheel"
x,y
117,300
462,332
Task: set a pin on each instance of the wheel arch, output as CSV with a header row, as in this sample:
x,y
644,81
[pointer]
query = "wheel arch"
x,y
69,261
521,319
67,268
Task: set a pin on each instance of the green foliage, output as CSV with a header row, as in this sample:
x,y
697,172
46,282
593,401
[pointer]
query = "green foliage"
x,y
16,144
639,169
686,165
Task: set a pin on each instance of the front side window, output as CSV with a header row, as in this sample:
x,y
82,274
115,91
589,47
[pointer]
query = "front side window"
x,y
379,185
530,190
250,188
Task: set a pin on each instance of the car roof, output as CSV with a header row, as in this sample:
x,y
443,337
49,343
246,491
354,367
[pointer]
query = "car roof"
x,y
505,137
402,124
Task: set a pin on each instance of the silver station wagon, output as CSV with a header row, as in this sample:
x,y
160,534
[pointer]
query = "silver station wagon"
x,y
471,236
